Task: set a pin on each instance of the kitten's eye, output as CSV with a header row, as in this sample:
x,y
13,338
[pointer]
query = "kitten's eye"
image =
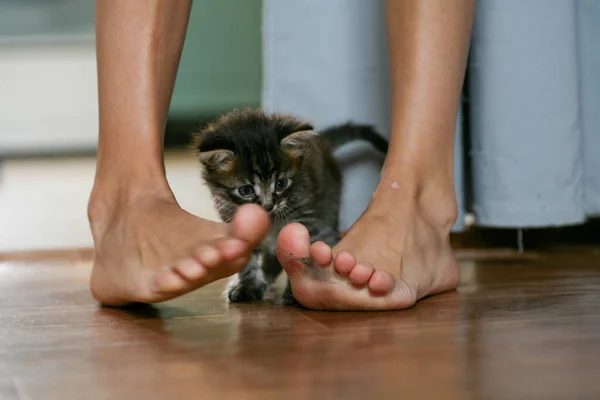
x,y
246,190
281,184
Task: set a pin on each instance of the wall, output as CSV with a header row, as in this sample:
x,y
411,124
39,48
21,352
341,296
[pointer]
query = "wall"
x,y
221,64
48,93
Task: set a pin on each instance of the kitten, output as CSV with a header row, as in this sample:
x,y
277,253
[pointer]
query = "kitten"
x,y
282,164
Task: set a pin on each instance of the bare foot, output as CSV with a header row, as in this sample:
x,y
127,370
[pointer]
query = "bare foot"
x,y
405,231
412,255
152,250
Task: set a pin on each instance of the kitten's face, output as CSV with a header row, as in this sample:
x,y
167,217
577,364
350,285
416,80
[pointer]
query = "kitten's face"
x,y
267,191
249,157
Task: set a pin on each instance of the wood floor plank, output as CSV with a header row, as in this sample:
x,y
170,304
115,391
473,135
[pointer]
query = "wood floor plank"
x,y
522,327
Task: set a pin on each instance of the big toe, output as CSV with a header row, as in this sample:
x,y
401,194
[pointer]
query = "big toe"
x,y
293,242
293,246
250,224
247,230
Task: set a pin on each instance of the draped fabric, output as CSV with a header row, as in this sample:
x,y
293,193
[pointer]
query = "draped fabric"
x,y
531,104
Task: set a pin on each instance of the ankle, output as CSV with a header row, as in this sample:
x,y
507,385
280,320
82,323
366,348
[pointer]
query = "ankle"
x,y
440,208
434,200
111,196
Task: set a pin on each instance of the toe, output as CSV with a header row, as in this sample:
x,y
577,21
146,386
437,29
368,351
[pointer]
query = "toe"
x,y
231,249
190,269
209,256
381,282
168,280
250,224
247,230
293,245
320,252
293,242
361,273
344,262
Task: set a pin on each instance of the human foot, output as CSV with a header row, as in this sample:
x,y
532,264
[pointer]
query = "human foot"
x,y
153,250
412,255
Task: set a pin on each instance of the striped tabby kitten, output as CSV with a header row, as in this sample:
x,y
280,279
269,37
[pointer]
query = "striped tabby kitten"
x,y
282,164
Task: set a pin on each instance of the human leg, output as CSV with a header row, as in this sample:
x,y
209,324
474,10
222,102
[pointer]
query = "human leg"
x,y
147,248
398,251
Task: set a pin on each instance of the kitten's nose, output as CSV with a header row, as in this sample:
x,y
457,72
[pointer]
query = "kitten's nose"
x,y
268,206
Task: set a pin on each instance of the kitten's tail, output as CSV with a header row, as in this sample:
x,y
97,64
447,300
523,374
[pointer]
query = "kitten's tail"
x,y
341,134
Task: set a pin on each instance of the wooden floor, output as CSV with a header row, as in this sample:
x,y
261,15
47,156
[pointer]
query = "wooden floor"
x,y
520,327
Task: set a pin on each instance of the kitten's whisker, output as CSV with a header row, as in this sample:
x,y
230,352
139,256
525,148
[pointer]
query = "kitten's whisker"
x,y
292,215
279,214
294,211
289,210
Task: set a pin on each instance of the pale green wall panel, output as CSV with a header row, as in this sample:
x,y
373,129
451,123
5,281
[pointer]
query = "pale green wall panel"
x,y
221,64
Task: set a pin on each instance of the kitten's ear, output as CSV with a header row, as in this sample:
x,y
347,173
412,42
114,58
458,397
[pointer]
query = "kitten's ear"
x,y
297,139
217,160
211,154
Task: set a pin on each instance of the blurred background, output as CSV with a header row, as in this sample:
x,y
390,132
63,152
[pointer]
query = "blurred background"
x,y
528,132
48,69
49,117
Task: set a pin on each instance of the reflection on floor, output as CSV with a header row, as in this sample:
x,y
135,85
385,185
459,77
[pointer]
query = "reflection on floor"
x,y
43,201
520,327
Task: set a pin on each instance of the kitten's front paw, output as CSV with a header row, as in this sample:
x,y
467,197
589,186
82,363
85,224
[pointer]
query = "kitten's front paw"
x,y
243,292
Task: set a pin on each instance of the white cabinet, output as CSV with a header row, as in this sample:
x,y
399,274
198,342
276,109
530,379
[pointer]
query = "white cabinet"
x,y
48,97
48,93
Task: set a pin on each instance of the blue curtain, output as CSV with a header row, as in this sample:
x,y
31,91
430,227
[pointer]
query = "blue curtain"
x,y
533,101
